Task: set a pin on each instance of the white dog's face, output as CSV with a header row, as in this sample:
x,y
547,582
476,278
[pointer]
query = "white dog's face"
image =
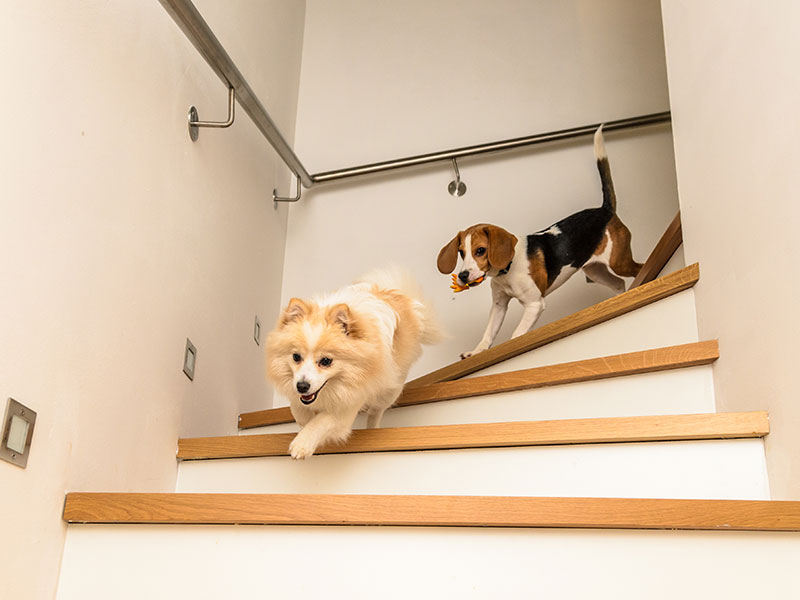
x,y
311,366
316,354
305,351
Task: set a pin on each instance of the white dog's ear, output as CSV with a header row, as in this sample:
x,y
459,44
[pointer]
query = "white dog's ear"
x,y
501,246
296,310
340,314
448,256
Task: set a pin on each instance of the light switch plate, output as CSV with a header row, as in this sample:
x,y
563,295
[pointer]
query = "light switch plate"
x,y
189,359
18,425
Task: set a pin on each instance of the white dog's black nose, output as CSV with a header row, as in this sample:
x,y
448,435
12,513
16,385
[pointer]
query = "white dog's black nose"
x,y
464,276
303,386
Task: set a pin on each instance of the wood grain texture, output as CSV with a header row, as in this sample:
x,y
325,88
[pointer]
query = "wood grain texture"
x,y
435,511
618,365
583,319
496,435
665,248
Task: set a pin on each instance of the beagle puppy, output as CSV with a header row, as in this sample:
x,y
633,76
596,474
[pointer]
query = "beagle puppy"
x,y
528,269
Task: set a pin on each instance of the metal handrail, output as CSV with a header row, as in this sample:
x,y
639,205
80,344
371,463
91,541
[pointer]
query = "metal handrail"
x,y
199,33
197,30
504,145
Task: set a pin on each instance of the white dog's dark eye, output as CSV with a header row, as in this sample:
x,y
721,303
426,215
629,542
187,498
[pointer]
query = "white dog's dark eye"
x,y
296,357
325,361
480,251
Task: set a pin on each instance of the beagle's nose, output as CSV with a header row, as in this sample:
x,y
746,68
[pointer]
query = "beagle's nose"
x,y
303,386
464,276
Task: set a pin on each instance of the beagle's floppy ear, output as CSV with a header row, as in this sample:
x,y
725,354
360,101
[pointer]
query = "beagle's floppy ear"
x,y
448,256
501,246
294,311
340,314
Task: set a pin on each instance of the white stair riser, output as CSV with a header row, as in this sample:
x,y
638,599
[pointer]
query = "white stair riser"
x,y
668,322
393,563
682,391
722,469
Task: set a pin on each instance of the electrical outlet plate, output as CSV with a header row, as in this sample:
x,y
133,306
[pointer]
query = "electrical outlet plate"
x,y
257,331
189,359
17,433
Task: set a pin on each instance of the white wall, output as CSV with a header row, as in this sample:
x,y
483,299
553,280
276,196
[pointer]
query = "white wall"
x,y
735,89
379,82
119,238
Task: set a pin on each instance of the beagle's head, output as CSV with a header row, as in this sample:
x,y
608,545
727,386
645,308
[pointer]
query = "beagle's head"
x,y
483,249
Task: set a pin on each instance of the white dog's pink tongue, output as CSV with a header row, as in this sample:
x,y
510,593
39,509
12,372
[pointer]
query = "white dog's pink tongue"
x,y
307,397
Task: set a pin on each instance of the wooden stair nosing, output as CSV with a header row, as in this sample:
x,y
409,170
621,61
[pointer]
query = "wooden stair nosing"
x,y
593,315
432,511
631,363
495,435
593,369
268,416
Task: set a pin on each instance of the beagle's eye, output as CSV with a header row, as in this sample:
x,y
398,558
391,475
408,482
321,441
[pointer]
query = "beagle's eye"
x,y
325,361
296,357
480,251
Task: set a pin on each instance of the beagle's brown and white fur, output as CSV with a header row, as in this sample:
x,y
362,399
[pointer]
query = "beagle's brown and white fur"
x,y
528,269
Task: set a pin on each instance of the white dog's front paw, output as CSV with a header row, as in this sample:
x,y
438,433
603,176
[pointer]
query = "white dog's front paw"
x,y
300,448
473,353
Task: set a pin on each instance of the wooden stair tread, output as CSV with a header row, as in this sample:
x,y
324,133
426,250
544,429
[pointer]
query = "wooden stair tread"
x,y
583,319
618,365
435,511
645,361
268,416
495,435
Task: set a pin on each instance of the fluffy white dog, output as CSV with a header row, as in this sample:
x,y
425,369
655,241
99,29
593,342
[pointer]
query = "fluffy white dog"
x,y
347,352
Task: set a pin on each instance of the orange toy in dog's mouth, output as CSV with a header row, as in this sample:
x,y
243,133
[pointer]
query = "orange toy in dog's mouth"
x,y
457,287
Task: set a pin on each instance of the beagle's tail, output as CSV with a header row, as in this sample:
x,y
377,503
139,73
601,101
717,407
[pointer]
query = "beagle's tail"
x,y
609,197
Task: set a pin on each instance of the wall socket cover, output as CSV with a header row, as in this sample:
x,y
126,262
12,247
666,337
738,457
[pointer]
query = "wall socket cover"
x,y
18,425
189,359
257,331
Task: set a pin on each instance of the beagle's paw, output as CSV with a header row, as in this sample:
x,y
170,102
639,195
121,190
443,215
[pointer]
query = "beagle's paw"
x,y
300,448
472,353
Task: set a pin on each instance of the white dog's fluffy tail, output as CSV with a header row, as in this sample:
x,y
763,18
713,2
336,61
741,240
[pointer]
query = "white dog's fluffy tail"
x,y
396,278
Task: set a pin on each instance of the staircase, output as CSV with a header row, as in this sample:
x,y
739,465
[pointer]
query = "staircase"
x,y
583,459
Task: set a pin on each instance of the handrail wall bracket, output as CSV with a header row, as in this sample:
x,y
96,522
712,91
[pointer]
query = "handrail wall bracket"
x,y
276,198
457,187
195,122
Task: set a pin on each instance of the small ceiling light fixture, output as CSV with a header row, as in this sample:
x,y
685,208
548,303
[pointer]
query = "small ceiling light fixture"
x,y
457,187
